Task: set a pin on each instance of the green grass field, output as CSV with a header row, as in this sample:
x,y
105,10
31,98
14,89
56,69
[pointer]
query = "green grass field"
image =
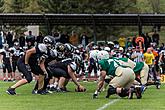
x,y
153,99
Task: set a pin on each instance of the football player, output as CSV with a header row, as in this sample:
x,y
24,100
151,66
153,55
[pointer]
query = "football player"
x,y
122,77
28,63
65,70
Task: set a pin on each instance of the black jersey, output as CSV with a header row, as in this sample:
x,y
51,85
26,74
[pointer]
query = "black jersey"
x,y
6,56
64,65
34,58
16,53
61,64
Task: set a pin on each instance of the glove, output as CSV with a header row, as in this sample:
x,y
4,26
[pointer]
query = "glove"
x,y
95,95
28,67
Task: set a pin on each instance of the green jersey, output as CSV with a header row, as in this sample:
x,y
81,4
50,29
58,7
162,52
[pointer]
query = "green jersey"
x,y
138,65
108,65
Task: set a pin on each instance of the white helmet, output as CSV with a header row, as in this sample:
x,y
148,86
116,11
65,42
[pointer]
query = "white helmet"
x,y
107,49
49,40
121,49
110,43
102,55
93,54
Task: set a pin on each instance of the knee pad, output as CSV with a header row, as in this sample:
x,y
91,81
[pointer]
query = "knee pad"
x,y
124,92
111,90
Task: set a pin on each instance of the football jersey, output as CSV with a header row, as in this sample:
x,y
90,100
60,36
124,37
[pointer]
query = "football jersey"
x,y
136,66
108,65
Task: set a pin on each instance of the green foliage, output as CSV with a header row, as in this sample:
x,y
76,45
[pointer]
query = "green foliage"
x,y
85,7
18,6
1,6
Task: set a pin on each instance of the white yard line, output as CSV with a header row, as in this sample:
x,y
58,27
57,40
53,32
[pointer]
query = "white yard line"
x,y
108,104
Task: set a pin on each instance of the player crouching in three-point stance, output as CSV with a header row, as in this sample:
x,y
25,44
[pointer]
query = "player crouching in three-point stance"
x,y
122,77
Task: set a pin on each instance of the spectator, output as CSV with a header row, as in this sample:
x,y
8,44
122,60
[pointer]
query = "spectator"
x,y
162,47
9,39
155,38
137,56
22,40
133,41
122,41
1,41
30,40
73,39
40,38
64,38
84,39
140,42
148,41
57,36
129,43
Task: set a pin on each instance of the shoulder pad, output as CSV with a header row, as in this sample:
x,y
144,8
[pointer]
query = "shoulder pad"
x,y
42,48
73,66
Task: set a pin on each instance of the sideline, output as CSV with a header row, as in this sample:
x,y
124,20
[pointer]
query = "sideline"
x,y
108,104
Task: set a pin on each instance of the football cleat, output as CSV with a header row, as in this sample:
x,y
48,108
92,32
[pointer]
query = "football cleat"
x,y
157,83
34,92
143,88
11,91
130,93
138,92
42,92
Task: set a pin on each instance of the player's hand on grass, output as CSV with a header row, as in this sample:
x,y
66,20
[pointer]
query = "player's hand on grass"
x,y
95,96
81,88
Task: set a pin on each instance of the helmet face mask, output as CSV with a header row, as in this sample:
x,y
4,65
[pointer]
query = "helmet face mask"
x,y
60,47
49,41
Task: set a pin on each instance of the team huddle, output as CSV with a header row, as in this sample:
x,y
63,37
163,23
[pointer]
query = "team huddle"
x,y
55,64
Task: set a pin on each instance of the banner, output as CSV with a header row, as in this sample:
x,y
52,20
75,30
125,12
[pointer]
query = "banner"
x,y
162,78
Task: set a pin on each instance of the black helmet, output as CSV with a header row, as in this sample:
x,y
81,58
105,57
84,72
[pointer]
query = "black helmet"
x,y
69,47
60,47
49,40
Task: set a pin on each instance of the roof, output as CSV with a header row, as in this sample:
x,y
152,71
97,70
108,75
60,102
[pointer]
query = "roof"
x,y
82,19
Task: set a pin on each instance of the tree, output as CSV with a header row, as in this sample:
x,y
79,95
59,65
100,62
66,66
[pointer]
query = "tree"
x,y
18,6
155,5
1,6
